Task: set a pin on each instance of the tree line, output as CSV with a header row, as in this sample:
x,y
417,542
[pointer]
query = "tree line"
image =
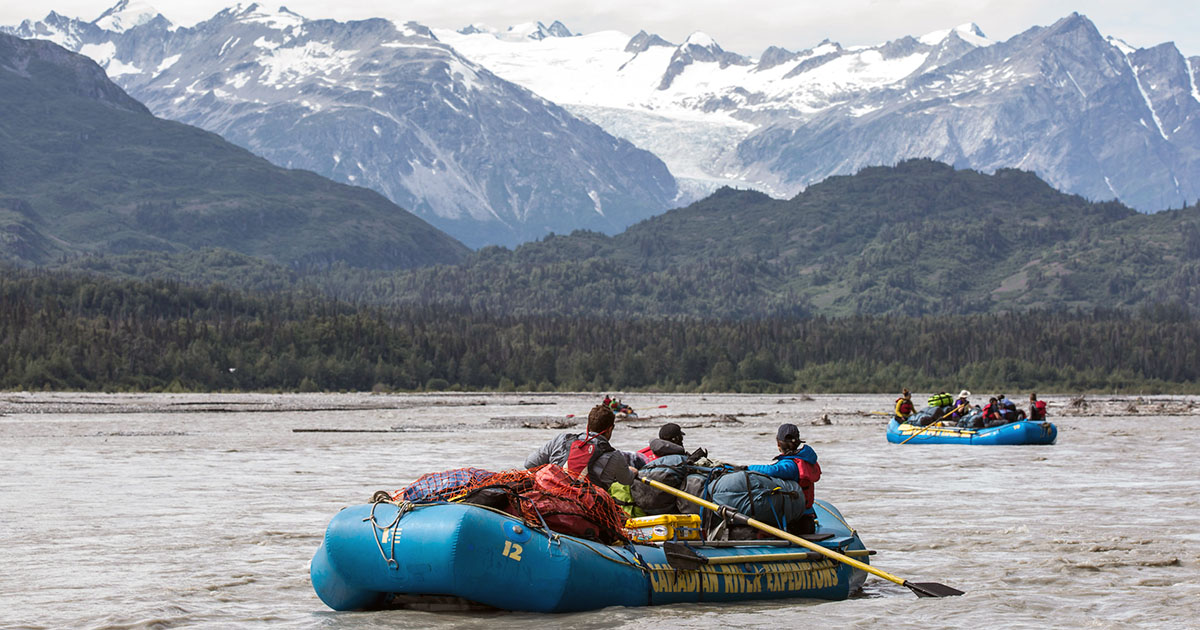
x,y
63,331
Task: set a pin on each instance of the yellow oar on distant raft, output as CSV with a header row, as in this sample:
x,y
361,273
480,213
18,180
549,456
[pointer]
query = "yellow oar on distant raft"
x,y
922,589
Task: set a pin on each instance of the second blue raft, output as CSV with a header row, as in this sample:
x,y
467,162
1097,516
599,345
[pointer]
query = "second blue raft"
x,y
1013,433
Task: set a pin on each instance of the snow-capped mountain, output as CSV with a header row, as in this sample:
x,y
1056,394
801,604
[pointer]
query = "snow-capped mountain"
x,y
430,119
380,105
1087,114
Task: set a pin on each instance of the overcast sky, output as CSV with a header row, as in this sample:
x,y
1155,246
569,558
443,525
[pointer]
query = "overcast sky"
x,y
744,27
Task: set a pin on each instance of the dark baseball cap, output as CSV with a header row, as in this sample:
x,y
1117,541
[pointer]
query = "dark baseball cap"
x,y
670,431
788,432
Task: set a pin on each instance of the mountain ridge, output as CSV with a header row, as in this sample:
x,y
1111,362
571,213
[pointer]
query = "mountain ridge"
x,y
1087,113
917,239
387,106
85,168
953,95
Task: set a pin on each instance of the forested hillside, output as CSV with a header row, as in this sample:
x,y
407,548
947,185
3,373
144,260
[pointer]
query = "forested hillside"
x,y
919,238
916,239
81,332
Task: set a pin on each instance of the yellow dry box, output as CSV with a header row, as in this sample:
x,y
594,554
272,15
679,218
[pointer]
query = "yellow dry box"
x,y
664,527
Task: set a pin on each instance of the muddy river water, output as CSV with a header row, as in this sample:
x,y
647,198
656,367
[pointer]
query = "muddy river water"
x,y
202,511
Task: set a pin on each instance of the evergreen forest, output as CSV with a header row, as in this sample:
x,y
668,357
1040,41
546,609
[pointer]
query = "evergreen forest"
x,y
76,331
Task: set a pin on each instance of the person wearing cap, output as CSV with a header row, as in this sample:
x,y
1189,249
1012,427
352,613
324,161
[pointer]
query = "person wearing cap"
x,y
962,406
1008,410
904,406
668,442
797,462
991,413
589,454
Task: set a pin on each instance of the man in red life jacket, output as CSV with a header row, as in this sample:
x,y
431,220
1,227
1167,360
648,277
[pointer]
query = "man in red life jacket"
x,y
668,442
1037,408
991,413
589,454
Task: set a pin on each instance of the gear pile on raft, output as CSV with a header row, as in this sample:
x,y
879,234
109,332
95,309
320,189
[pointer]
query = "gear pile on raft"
x,y
586,526
947,420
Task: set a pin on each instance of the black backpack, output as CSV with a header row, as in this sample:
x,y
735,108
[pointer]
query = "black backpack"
x,y
668,469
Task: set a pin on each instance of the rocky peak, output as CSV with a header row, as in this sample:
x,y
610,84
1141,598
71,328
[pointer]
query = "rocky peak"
x,y
125,15
699,48
774,56
643,41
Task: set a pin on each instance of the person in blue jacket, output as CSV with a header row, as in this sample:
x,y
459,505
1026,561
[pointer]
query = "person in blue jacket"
x,y
797,462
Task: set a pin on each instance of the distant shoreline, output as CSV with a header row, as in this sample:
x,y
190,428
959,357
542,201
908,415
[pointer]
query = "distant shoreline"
x,y
846,405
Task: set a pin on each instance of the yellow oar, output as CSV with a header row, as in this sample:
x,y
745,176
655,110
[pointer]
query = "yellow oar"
x,y
922,589
923,429
949,413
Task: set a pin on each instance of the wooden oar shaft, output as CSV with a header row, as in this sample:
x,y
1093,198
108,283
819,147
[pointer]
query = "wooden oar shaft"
x,y
923,429
776,557
829,553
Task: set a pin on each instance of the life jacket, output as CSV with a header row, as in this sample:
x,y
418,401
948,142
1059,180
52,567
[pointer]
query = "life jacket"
x,y
809,472
1037,411
583,453
904,406
991,412
648,454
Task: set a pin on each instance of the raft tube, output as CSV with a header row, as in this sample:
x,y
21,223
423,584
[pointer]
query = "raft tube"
x,y
1013,433
384,556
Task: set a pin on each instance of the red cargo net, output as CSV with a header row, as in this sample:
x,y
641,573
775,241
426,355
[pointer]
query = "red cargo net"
x,y
544,496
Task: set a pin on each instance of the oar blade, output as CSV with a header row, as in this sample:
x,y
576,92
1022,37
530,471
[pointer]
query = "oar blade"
x,y
680,556
932,589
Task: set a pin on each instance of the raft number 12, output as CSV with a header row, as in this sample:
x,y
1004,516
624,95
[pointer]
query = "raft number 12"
x,y
512,550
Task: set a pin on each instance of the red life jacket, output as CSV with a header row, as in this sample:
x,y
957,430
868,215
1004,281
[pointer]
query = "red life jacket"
x,y
809,473
583,454
648,454
1038,410
905,406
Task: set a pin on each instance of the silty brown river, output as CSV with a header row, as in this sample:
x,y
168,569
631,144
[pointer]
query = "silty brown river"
x,y
202,511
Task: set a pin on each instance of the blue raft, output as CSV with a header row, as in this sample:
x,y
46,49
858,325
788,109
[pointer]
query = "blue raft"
x,y
1013,433
448,554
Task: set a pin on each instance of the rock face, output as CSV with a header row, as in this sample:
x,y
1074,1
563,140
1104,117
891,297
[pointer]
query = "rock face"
x,y
1062,102
1088,114
383,106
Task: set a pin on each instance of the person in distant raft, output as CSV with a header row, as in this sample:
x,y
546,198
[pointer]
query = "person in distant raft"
x,y
797,462
904,406
993,413
589,455
1037,408
962,406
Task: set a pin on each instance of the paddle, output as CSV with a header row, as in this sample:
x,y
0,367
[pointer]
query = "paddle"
x,y
923,429
922,589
